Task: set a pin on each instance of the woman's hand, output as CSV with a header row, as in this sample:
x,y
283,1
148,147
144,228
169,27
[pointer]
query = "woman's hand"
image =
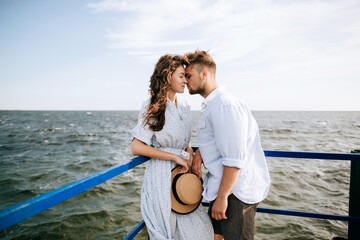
x,y
182,162
191,157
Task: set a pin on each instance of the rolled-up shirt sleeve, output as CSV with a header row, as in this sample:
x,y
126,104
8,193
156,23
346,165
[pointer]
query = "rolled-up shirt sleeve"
x,y
142,132
230,130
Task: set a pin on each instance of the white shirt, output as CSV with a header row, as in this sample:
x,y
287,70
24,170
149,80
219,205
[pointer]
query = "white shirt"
x,y
228,135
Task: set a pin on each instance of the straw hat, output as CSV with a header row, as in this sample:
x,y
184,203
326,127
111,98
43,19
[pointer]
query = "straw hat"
x,y
186,191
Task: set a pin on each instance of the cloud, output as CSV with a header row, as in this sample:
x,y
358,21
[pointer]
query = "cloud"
x,y
137,40
150,24
282,41
115,5
116,84
234,29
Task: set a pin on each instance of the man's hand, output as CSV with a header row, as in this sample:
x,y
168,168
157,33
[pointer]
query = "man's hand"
x,y
219,208
191,157
230,175
197,161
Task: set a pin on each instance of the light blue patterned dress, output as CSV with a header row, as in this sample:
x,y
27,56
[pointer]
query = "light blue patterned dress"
x,y
161,222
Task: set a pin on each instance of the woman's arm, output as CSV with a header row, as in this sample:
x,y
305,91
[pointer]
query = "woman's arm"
x,y
140,148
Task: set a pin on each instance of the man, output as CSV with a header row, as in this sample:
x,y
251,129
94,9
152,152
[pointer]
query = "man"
x,y
229,147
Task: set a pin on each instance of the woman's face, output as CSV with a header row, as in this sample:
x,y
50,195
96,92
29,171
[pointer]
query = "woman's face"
x,y
178,80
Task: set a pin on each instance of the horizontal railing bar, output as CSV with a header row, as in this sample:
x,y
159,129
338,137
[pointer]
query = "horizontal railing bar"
x,y
271,211
310,155
302,214
313,155
31,207
24,210
135,231
309,214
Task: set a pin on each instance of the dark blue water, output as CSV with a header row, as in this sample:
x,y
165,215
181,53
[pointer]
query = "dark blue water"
x,y
43,150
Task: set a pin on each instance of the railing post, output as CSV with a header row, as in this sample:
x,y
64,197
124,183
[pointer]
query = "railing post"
x,y
354,198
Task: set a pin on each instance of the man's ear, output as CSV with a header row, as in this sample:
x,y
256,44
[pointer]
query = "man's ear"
x,y
204,74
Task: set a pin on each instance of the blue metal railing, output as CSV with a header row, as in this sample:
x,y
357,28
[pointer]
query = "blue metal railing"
x,y
303,214
29,208
135,231
24,210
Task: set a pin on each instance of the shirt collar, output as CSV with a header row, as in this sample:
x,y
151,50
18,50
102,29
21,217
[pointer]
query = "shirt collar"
x,y
171,102
210,97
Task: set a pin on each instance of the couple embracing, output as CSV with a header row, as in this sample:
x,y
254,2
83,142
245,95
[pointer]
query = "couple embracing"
x,y
229,147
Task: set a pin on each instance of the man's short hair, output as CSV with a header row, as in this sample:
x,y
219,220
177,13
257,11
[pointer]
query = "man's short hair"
x,y
201,58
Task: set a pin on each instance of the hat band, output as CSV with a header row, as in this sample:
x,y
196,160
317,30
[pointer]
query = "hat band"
x,y
174,189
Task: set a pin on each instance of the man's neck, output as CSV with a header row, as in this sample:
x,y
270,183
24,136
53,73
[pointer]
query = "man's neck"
x,y
209,90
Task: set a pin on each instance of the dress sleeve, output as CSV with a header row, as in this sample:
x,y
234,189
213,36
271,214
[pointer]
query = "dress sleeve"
x,y
142,132
230,129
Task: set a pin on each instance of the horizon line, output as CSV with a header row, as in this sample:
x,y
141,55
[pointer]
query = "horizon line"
x,y
193,110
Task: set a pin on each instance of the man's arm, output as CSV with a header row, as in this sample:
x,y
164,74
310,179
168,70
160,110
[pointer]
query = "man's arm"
x,y
230,175
191,157
230,130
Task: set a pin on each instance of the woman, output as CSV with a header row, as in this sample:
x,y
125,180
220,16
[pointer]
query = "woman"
x,y
163,133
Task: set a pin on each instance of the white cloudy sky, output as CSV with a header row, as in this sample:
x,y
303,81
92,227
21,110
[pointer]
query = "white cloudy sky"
x,y
99,55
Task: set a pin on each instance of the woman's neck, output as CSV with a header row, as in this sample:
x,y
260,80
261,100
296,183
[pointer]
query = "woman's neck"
x,y
172,96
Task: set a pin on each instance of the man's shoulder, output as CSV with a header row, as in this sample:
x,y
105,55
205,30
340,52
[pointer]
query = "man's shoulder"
x,y
230,103
227,99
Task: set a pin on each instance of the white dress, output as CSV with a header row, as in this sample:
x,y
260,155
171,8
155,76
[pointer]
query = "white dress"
x,y
161,222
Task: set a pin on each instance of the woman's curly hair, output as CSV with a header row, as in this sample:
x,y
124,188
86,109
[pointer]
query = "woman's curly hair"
x,y
159,86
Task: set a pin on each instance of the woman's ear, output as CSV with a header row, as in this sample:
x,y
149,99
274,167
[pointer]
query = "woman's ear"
x,y
168,78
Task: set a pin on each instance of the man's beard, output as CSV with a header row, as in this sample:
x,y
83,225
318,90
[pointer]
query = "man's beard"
x,y
199,90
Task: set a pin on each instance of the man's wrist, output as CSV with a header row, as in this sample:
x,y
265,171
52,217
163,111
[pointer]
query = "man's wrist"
x,y
222,196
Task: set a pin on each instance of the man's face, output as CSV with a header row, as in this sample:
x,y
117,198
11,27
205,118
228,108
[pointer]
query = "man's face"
x,y
194,82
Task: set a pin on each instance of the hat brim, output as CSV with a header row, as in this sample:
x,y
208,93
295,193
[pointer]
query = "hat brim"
x,y
175,205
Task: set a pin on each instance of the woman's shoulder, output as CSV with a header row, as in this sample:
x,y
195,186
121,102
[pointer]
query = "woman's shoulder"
x,y
145,103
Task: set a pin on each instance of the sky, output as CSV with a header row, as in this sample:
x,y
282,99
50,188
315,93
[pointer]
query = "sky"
x,y
298,55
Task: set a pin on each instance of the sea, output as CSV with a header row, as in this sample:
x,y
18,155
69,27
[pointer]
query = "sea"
x,y
43,150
